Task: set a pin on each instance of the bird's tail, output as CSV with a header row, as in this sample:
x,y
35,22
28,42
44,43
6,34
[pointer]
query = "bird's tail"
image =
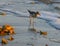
x,y
28,10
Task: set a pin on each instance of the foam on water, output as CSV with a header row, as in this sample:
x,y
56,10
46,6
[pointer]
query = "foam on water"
x,y
52,19
32,2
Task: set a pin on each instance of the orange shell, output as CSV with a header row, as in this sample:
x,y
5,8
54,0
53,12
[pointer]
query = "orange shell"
x,y
44,33
4,41
11,38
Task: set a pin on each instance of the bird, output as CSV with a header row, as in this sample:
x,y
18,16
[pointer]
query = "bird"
x,y
33,15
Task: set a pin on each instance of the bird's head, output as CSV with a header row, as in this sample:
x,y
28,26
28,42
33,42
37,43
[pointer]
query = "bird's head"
x,y
37,13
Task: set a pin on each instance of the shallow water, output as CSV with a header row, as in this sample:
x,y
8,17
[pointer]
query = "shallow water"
x,y
17,16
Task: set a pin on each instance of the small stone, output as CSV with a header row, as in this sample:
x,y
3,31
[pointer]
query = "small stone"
x,y
46,45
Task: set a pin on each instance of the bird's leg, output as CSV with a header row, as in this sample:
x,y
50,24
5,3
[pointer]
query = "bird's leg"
x,y
30,21
33,23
